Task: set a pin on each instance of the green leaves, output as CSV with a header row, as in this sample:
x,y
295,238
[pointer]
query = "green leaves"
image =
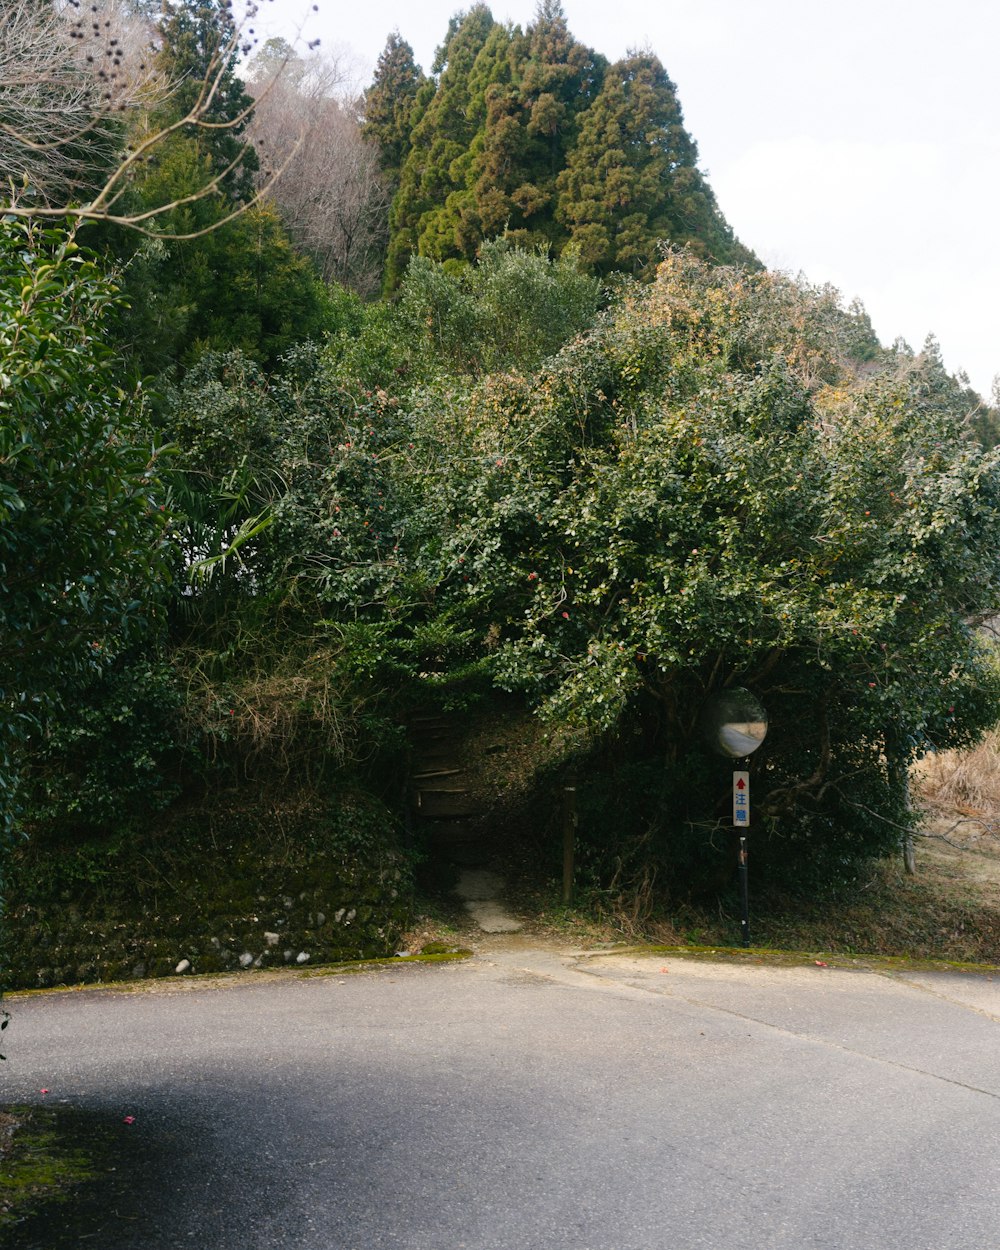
x,y
678,516
511,310
80,539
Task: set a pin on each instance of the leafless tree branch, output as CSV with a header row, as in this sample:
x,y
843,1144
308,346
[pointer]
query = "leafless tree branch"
x,y
331,195
67,73
64,78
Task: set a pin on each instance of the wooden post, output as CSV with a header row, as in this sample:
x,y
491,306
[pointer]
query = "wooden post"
x,y
907,847
569,842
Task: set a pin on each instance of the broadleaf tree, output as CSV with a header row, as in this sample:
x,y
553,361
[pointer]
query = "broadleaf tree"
x,y
728,483
80,518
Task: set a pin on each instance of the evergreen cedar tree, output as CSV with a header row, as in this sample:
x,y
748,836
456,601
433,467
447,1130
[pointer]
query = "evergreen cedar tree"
x,y
535,136
194,35
389,104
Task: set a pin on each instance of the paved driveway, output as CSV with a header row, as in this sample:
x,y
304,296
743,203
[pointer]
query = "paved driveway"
x,y
531,1099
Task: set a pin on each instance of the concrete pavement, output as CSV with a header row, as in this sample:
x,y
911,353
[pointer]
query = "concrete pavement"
x,y
530,1099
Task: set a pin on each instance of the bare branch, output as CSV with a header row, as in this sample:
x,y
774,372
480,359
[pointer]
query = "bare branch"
x,y
64,79
331,195
67,74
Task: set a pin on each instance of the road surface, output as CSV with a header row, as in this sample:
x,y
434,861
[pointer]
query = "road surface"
x,y
529,1099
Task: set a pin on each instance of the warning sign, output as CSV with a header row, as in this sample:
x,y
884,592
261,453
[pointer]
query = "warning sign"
x,y
741,800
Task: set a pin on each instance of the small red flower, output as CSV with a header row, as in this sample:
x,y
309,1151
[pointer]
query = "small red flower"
x,y
129,1119
566,616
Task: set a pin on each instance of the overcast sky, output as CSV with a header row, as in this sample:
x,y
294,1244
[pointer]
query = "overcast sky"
x,y
857,142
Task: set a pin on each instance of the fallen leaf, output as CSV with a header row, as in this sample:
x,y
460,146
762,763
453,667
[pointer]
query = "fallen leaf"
x,y
820,964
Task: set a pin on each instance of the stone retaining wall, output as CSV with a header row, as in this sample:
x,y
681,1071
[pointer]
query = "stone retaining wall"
x,y
239,906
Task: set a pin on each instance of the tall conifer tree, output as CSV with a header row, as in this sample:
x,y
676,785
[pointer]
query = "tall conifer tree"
x,y
531,135
443,135
632,179
389,105
557,80
199,55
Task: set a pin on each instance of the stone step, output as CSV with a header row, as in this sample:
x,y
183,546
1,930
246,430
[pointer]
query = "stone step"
x,y
445,804
434,761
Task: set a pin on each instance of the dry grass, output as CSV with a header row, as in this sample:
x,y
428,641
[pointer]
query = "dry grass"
x,y
965,781
278,712
959,792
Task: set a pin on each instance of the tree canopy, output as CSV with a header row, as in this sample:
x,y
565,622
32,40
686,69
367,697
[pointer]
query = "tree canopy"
x,y
80,520
588,451
534,135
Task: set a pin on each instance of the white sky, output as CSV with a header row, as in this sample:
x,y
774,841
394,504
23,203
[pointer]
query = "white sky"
x,y
857,142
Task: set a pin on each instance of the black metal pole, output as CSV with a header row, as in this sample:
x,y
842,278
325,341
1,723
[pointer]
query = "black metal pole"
x,y
744,894
569,842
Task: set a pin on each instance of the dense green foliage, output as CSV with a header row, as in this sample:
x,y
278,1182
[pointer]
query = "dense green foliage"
x,y
389,104
205,280
611,499
198,55
241,284
631,181
80,523
726,482
534,135
698,495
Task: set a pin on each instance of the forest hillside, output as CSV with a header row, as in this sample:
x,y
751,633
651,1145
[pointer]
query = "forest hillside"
x,y
319,413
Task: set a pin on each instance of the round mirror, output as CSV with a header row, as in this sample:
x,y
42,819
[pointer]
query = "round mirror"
x,y
734,721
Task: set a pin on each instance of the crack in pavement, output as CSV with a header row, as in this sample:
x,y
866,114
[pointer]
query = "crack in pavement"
x,y
553,968
945,998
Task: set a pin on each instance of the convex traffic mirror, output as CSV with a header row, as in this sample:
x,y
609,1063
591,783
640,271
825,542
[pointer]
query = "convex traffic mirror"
x,y
734,722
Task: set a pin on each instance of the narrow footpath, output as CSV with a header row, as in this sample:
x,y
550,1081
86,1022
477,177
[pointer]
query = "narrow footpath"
x,y
451,819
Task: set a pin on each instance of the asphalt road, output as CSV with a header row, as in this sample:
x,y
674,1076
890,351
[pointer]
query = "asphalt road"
x,y
530,1100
